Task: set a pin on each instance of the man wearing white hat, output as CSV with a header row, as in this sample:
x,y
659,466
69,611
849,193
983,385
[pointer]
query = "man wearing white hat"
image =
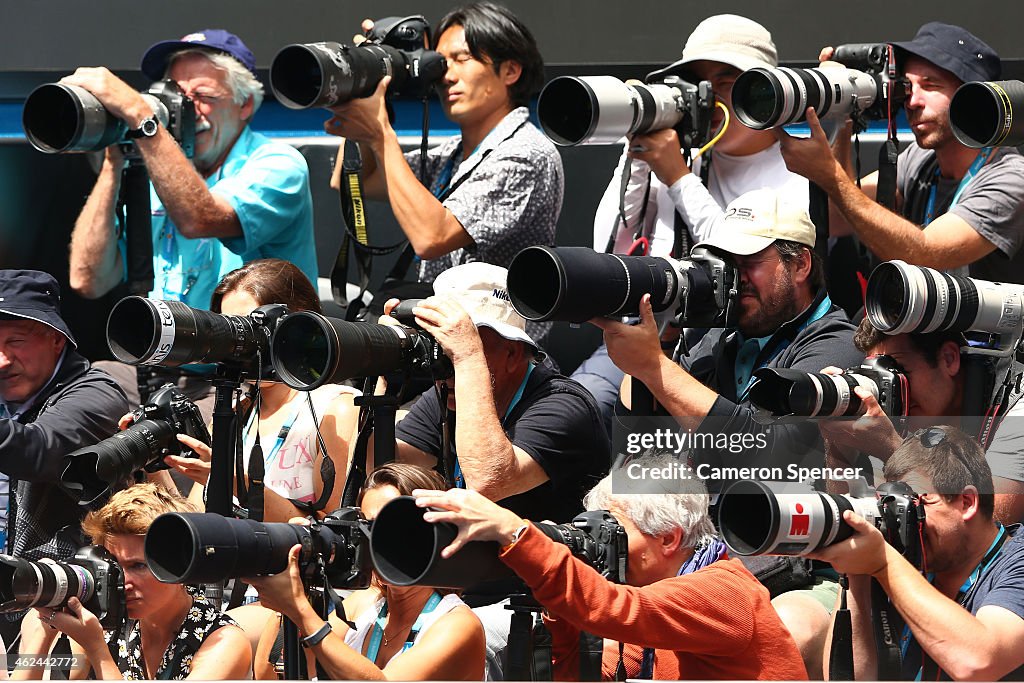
x,y
525,435
665,207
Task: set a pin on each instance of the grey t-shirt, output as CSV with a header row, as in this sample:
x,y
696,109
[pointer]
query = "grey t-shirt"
x,y
992,203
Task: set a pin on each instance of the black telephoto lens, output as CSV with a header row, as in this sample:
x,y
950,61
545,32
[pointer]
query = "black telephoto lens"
x,y
90,473
197,547
326,74
574,284
144,331
309,349
67,118
982,114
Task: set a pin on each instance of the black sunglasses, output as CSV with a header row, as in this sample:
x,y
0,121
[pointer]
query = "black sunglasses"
x,y
931,437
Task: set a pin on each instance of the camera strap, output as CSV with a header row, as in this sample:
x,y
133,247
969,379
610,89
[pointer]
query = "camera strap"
x,y
355,235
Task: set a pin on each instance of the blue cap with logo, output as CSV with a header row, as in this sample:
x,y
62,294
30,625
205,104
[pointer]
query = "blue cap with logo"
x,y
154,62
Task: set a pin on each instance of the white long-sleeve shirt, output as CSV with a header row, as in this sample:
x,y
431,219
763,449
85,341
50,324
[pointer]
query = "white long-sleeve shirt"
x,y
700,206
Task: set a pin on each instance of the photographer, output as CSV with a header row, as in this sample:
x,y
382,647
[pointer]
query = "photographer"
x,y
168,632
491,190
241,197
957,207
969,560
936,374
523,435
785,320
677,206
696,618
51,403
396,633
291,452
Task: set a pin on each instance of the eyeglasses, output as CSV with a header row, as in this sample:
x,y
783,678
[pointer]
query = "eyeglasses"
x,y
931,437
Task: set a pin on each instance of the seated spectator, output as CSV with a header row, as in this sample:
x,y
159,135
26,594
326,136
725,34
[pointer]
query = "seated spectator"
x,y
695,614
401,633
168,632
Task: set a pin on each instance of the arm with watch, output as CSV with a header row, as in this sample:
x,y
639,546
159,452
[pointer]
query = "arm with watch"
x,y
194,209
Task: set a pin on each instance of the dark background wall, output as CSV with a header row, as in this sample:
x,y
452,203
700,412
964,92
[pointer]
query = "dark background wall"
x,y
40,195
58,34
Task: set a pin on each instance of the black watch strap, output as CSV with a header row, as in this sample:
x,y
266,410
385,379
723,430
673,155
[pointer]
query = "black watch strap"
x,y
313,639
147,128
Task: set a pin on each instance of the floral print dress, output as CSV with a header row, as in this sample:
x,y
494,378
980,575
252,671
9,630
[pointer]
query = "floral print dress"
x,y
125,643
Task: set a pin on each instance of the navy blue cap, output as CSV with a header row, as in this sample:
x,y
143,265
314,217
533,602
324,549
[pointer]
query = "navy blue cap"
x,y
956,50
154,62
32,295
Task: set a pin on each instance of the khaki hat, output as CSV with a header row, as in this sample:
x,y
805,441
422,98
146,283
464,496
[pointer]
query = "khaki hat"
x,y
729,39
755,219
481,289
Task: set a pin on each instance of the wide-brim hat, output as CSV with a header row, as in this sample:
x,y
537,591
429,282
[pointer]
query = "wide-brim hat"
x,y
32,295
954,49
481,289
729,39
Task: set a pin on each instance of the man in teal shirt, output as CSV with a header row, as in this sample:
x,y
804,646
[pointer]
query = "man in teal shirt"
x,y
240,197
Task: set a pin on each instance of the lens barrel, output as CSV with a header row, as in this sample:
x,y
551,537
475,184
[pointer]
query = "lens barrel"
x,y
766,518
24,583
902,298
325,74
406,551
309,349
90,472
575,284
144,331
196,547
768,98
981,114
597,110
783,392
66,118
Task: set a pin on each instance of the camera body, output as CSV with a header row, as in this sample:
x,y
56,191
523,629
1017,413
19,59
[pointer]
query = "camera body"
x,y
575,284
869,88
773,518
92,575
597,538
89,473
326,74
427,354
588,110
341,544
781,392
67,118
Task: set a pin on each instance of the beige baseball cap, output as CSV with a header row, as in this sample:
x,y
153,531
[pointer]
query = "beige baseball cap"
x,y
481,289
755,219
729,39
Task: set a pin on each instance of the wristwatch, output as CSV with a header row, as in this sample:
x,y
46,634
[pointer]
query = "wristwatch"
x,y
146,129
313,639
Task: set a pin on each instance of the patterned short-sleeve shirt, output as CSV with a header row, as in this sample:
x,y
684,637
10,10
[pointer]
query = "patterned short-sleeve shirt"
x,y
507,196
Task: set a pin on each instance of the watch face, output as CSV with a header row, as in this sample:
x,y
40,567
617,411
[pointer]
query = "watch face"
x,y
148,127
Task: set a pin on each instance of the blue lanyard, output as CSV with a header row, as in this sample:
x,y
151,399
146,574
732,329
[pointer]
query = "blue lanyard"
x,y
378,627
979,161
460,481
282,434
965,589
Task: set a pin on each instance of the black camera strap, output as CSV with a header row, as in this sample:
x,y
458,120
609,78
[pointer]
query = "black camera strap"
x,y
355,234
887,624
840,661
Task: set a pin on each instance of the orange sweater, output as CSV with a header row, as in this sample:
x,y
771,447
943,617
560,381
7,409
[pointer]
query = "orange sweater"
x,y
716,623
